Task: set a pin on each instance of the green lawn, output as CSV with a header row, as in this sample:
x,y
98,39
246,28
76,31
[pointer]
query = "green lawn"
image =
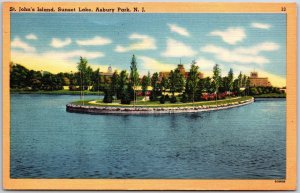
x,y
150,104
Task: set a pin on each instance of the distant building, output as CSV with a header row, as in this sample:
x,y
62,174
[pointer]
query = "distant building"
x,y
256,81
106,76
181,70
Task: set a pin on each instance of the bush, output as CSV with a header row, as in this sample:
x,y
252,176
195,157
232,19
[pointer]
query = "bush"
x,y
125,98
107,97
162,99
173,99
153,96
184,98
167,98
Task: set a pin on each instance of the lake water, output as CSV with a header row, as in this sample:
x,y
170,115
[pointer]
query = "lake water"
x,y
247,142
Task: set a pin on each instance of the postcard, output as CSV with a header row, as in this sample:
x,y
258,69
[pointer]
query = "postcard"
x,y
149,96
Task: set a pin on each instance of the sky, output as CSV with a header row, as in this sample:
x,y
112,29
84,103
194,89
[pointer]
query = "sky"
x,y
243,42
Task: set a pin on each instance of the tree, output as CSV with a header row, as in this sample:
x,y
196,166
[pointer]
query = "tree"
x,y
95,80
217,77
82,69
192,80
114,84
134,77
240,80
236,87
176,81
247,86
155,86
208,85
122,84
244,80
146,80
230,80
164,84
18,76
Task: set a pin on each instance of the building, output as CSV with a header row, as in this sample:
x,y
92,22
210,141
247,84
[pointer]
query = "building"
x,y
181,70
256,81
106,76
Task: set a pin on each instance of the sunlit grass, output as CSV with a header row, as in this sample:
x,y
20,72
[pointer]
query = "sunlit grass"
x,y
116,103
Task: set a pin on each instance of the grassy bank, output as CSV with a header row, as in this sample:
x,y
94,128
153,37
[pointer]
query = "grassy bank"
x,y
271,95
55,92
151,104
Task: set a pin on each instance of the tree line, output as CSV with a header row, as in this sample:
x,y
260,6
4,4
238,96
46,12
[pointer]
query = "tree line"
x,y
123,86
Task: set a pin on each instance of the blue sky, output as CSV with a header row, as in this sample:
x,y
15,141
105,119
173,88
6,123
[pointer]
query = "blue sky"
x,y
244,42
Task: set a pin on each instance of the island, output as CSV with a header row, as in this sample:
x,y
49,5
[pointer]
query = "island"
x,y
99,107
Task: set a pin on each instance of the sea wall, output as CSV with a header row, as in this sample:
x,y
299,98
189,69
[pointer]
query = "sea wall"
x,y
155,110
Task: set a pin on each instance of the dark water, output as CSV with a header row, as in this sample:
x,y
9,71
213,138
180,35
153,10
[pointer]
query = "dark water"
x,y
48,142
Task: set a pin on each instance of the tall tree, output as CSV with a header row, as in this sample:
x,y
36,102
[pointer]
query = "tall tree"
x,y
114,84
123,82
240,80
244,80
217,77
176,81
82,69
155,86
164,84
230,80
193,80
146,80
134,77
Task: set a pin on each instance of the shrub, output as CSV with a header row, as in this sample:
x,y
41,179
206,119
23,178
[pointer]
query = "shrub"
x,y
167,98
153,96
162,99
125,98
173,99
107,97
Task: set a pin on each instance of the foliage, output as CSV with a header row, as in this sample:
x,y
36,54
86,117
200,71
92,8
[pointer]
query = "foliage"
x,y
184,98
155,87
146,80
125,98
162,99
192,81
122,83
107,97
176,81
217,77
173,99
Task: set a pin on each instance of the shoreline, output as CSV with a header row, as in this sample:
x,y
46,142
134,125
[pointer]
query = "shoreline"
x,y
72,108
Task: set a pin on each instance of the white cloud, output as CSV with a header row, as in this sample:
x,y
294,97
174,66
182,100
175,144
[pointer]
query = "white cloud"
x,y
18,43
155,65
31,37
75,54
145,43
180,30
260,25
177,49
265,46
57,43
231,35
205,64
96,41
243,55
62,62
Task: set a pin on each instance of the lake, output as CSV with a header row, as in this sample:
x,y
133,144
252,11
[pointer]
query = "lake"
x,y
247,142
